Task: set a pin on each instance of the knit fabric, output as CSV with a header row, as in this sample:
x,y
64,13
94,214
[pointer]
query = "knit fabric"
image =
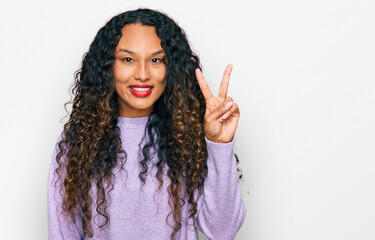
x,y
140,213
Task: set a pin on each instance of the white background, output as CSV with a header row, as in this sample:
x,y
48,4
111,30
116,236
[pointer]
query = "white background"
x,y
303,76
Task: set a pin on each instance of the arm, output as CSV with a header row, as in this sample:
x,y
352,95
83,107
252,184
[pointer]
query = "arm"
x,y
221,211
59,227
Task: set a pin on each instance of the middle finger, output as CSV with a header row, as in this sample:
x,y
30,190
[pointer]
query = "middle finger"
x,y
225,82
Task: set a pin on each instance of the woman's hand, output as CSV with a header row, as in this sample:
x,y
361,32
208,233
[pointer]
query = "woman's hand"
x,y
222,115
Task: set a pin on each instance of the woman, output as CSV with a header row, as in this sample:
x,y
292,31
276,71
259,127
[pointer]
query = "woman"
x,y
147,152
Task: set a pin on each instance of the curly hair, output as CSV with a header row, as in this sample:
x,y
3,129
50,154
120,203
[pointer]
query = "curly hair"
x,y
92,136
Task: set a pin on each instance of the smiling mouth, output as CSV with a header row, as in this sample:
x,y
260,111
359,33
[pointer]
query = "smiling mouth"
x,y
138,89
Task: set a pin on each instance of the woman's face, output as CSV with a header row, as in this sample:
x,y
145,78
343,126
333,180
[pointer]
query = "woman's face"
x,y
138,70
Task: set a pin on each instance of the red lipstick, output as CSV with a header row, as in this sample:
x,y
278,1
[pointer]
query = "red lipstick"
x,y
140,90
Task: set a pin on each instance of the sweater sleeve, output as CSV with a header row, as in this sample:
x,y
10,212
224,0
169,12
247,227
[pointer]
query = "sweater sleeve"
x,y
59,226
221,211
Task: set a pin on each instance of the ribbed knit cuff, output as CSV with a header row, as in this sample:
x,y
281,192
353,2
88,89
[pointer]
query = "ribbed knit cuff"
x,y
220,148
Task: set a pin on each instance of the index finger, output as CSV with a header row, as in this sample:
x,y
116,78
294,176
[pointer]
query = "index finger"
x,y
225,82
203,84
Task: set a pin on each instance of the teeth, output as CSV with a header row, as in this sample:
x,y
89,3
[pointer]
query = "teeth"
x,y
140,89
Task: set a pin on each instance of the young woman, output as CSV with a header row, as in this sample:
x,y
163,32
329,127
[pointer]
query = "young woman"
x,y
147,152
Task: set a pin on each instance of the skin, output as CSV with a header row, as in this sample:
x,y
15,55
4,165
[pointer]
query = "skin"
x,y
222,114
139,61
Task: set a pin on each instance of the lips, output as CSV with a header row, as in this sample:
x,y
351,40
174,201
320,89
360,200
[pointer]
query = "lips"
x,y
140,90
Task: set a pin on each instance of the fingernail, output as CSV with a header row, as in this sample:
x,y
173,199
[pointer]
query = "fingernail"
x,y
199,72
224,117
228,104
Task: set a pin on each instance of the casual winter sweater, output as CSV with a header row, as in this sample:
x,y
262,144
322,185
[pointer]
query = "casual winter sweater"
x,y
140,213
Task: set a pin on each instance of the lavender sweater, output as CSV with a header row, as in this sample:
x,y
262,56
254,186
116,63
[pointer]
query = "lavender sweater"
x,y
141,214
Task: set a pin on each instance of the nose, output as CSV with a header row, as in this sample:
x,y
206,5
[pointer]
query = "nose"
x,y
142,72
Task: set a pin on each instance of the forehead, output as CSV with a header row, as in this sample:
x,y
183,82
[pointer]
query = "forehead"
x,y
138,37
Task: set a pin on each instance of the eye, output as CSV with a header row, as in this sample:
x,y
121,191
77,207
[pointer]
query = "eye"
x,y
156,60
127,59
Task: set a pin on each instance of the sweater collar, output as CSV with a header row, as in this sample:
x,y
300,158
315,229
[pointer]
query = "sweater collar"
x,y
138,122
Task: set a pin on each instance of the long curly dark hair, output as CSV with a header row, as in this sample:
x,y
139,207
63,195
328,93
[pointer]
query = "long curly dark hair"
x,y
91,138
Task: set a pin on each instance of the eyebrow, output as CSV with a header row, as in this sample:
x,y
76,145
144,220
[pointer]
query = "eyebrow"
x,y
130,52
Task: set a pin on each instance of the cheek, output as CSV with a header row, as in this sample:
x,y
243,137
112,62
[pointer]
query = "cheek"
x,y
120,74
120,81
162,85
120,77
117,86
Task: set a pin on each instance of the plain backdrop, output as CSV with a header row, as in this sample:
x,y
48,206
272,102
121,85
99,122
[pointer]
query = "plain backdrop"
x,y
303,77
